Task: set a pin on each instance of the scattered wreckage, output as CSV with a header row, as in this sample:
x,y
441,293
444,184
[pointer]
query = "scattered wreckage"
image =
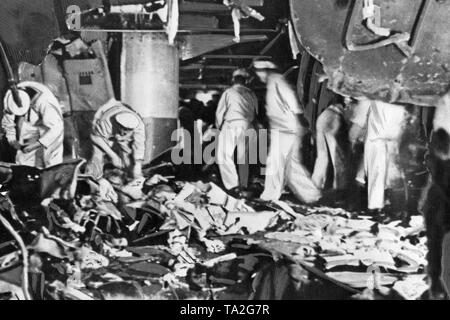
x,y
65,236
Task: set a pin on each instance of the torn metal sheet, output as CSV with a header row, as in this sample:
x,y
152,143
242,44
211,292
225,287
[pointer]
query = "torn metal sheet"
x,y
192,46
359,62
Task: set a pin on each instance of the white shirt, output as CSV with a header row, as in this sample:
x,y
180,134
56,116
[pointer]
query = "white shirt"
x,y
238,103
386,121
282,105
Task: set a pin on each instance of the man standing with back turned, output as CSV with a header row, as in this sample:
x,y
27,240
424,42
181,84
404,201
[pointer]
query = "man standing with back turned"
x,y
235,115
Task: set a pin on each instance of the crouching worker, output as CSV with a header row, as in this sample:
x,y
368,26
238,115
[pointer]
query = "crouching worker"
x,y
118,136
35,126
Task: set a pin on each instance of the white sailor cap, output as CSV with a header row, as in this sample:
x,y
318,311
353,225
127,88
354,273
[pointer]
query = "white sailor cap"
x,y
128,120
12,107
241,72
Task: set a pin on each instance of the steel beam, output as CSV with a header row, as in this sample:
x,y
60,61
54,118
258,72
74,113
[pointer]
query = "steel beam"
x,y
235,56
203,86
193,46
210,67
198,31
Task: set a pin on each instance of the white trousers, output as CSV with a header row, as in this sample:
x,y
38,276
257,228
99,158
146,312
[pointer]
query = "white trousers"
x,y
328,147
381,169
233,136
284,167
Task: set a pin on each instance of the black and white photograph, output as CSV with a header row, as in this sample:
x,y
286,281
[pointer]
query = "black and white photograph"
x,y
224,155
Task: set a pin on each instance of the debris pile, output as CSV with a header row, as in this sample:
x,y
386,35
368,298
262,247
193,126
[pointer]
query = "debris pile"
x,y
159,238
359,252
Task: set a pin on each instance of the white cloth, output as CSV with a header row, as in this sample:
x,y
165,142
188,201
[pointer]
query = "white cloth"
x,y
173,22
385,126
43,123
236,16
232,137
293,41
284,167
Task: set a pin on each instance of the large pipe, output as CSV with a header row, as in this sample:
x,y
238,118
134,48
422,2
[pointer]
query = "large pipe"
x,y
150,84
